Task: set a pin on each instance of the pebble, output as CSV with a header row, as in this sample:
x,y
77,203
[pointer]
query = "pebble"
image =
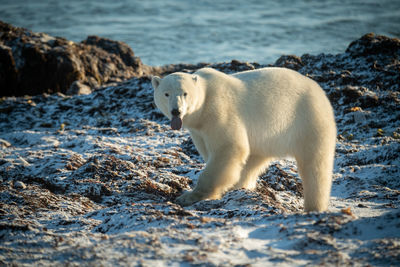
x,y
359,117
19,185
4,143
23,161
78,88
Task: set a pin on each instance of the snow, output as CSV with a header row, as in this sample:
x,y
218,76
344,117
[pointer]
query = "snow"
x,y
101,172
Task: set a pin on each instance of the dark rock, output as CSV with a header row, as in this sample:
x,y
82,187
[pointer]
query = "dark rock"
x,y
8,70
237,65
289,61
78,88
371,44
368,101
19,185
351,93
4,143
33,63
117,48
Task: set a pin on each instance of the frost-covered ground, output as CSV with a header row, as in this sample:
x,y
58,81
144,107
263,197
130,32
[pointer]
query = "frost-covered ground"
x,y
91,180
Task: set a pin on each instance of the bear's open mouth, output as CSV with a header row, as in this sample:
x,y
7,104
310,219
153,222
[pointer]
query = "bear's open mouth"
x,y
176,123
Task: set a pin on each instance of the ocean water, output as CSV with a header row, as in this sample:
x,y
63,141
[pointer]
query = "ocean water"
x,y
191,31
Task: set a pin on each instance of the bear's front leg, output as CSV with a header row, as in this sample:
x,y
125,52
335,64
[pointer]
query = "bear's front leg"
x,y
199,144
220,174
188,198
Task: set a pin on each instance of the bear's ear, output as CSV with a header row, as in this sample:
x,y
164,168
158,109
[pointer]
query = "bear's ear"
x,y
194,77
155,81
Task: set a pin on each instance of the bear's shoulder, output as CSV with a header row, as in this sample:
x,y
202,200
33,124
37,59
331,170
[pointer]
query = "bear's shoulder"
x,y
210,72
211,77
207,71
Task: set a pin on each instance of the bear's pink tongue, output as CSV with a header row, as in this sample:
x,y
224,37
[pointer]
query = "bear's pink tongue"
x,y
176,123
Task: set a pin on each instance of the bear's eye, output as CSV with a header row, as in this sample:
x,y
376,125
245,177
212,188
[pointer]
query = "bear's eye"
x,y
185,94
166,94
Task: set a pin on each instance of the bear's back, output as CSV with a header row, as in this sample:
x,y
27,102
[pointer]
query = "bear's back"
x,y
275,78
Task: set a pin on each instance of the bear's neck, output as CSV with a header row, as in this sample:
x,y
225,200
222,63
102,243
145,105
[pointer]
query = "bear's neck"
x,y
195,117
193,121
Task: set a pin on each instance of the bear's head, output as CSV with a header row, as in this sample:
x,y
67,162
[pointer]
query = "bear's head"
x,y
176,96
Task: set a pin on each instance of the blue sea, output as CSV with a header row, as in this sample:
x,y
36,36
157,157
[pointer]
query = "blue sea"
x,y
191,31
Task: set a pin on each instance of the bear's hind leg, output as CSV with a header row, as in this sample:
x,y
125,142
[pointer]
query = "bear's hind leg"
x,y
316,175
253,168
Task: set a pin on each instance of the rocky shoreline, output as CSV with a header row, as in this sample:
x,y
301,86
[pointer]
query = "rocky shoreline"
x,y
35,63
90,178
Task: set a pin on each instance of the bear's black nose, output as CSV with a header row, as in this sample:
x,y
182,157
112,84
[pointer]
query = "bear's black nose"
x,y
175,112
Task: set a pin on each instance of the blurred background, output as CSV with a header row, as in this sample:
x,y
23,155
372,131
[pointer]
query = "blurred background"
x,y
191,31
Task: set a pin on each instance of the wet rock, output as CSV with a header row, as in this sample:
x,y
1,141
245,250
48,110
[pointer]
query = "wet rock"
x,y
117,48
351,94
19,185
4,143
8,73
289,61
371,44
359,117
96,192
78,88
237,65
368,101
33,63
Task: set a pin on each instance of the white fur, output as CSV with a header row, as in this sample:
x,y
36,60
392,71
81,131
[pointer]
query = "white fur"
x,y
240,122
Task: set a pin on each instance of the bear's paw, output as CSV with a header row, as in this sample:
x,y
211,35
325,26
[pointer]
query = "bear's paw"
x,y
189,198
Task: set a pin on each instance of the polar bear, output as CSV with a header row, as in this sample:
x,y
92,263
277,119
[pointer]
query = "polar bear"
x,y
240,122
